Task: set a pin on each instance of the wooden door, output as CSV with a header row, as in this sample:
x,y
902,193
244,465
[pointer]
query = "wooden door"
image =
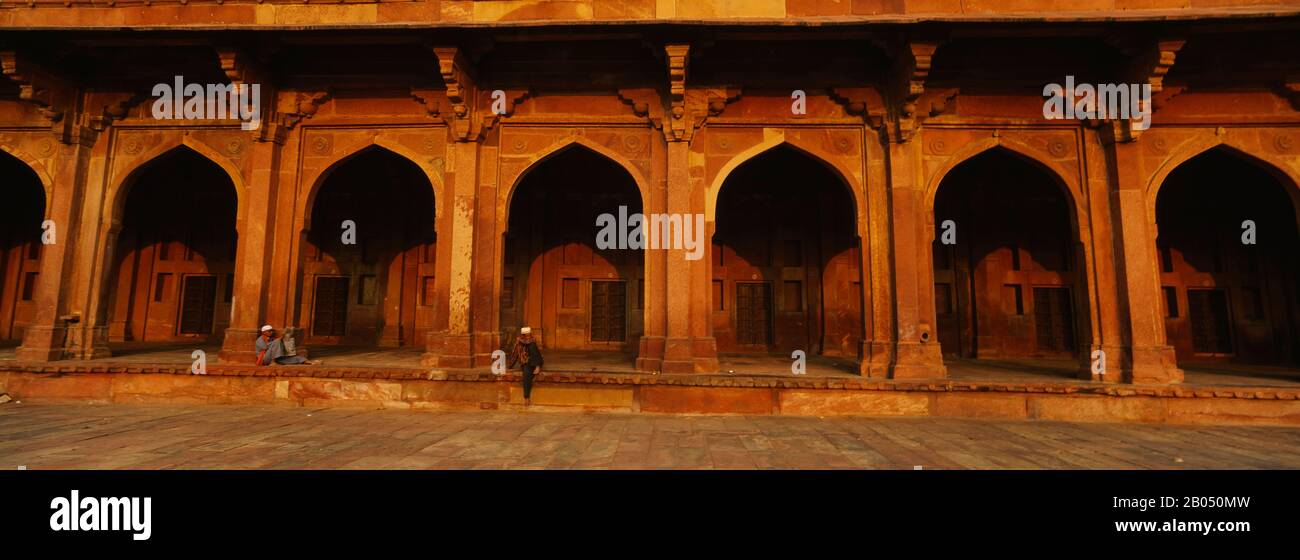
x,y
608,311
1207,311
1053,319
753,313
198,303
330,316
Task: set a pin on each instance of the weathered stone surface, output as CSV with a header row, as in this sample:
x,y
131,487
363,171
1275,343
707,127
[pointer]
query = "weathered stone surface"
x,y
263,437
1096,409
586,397
319,392
1226,406
706,401
981,405
860,403
452,391
87,387
1235,411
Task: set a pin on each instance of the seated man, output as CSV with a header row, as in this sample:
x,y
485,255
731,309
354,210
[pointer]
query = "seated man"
x,y
270,350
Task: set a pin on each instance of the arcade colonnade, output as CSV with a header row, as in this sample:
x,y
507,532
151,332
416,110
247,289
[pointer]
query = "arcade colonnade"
x,y
823,230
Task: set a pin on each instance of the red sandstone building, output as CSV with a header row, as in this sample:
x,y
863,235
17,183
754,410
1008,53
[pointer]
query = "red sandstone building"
x,y
823,226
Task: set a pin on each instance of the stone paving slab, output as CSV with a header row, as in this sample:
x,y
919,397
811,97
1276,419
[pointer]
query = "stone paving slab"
x,y
78,436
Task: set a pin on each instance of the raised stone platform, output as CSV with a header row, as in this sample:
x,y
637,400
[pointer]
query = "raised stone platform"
x,y
1065,400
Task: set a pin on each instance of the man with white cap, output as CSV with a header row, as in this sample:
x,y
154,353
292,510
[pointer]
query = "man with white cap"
x,y
270,350
525,350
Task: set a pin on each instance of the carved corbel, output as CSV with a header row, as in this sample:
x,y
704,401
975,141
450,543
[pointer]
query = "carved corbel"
x,y
428,98
249,67
241,65
911,69
116,108
719,98
1148,65
677,127
502,106
864,102
297,106
55,98
638,99
458,79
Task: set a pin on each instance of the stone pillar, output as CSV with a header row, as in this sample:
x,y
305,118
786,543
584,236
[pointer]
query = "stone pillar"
x,y
1102,267
650,348
450,344
689,345
46,337
253,269
1145,355
874,250
487,254
916,349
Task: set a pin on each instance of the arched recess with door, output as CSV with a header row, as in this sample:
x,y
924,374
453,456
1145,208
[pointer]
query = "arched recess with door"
x,y
556,278
786,270
1009,265
1228,252
173,266
21,216
368,253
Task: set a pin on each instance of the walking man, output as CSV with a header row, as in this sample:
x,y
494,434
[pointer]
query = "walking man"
x,y
525,350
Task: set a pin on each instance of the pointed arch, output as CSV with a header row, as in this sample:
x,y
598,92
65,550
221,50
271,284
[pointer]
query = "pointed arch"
x,y
117,195
1237,299
377,144
768,144
1063,178
554,223
47,184
137,231
563,145
1287,175
1079,275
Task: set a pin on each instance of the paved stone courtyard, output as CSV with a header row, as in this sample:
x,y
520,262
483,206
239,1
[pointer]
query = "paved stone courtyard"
x,y
61,436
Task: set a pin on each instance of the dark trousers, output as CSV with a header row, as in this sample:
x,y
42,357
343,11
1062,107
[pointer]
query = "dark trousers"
x,y
528,380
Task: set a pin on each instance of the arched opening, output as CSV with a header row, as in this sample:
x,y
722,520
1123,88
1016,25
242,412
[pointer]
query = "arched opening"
x,y
1008,283
576,293
20,246
368,257
786,265
1229,287
174,265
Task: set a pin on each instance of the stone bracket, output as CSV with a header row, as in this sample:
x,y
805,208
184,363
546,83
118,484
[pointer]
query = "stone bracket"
x,y
1148,65
460,85
636,99
300,105
279,115
719,98
687,109
427,97
56,98
513,98
906,88
677,124
645,103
